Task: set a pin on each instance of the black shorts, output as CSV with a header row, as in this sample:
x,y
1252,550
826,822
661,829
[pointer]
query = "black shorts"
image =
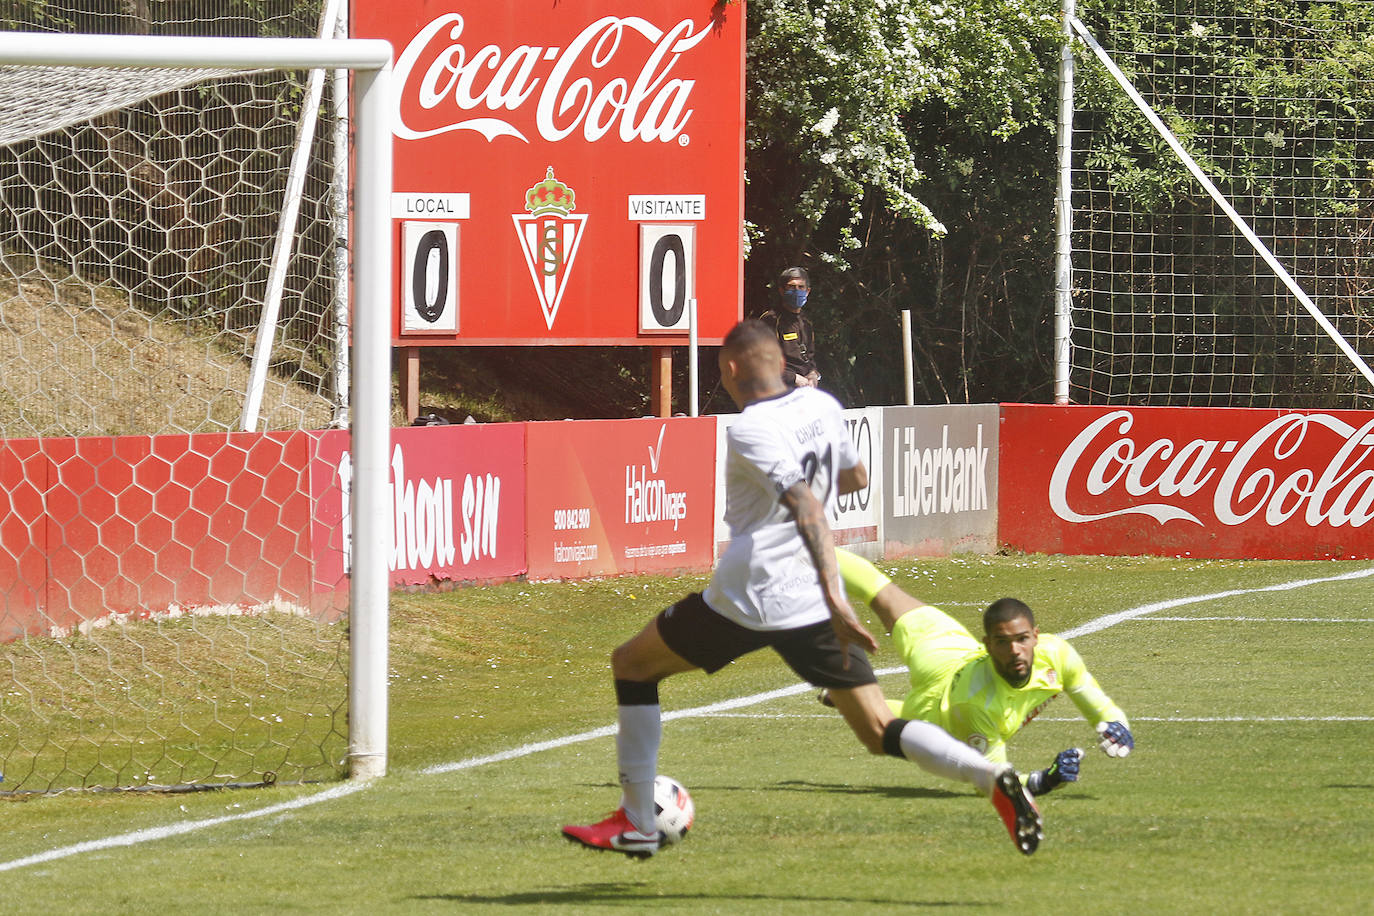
x,y
706,639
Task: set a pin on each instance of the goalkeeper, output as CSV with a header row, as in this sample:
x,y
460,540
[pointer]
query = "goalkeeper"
x,y
983,692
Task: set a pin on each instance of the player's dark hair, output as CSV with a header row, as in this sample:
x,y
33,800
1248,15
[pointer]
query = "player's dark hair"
x,y
1004,610
747,335
794,273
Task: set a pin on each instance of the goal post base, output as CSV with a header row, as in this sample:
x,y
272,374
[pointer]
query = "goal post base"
x,y
363,767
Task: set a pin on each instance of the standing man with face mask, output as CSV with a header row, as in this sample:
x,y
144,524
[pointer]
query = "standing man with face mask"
x,y
795,335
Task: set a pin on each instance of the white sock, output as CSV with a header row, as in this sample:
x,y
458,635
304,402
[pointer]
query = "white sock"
x,y
636,746
933,749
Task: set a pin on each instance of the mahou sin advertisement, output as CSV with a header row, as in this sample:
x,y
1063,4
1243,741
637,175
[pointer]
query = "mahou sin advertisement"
x,y
457,498
1240,483
565,172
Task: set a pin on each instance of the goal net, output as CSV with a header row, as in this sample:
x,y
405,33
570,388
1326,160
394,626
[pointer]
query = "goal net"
x,y
163,620
1172,303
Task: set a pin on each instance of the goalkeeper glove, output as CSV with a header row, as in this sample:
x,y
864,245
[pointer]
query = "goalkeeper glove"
x,y
1064,769
1116,739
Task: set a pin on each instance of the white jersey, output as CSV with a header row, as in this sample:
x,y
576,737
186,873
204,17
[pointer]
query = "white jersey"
x,y
766,580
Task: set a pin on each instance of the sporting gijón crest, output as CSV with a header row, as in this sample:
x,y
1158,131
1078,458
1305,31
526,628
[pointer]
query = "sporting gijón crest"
x,y
549,237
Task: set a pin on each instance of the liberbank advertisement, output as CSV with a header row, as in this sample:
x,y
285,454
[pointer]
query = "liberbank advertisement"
x,y
932,481
939,473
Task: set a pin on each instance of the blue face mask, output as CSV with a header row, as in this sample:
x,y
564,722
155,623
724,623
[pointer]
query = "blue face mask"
x,y
795,298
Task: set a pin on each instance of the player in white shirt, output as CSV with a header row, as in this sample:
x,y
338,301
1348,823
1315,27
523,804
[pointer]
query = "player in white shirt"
x,y
766,579
789,457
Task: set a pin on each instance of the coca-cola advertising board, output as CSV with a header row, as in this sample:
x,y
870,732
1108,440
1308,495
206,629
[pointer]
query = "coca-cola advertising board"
x,y
940,487
611,497
457,497
1233,483
590,154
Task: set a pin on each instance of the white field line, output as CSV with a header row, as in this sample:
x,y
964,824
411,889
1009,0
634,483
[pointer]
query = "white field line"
x,y
1239,719
1111,620
1265,619
152,834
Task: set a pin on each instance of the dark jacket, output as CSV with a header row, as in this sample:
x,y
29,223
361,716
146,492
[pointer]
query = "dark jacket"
x,y
798,342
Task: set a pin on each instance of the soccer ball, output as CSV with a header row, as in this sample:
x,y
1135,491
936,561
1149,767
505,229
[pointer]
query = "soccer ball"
x,y
673,809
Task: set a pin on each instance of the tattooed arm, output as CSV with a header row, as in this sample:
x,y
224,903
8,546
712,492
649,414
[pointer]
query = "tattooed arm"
x,y
809,515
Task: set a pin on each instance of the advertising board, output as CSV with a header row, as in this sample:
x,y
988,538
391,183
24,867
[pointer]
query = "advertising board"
x,y
610,497
857,523
1201,482
458,494
587,157
940,480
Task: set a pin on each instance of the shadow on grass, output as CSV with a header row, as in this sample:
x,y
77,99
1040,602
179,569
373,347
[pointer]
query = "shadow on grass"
x,y
802,785
806,785
841,788
631,895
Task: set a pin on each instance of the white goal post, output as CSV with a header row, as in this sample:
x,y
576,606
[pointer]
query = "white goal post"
x,y
370,62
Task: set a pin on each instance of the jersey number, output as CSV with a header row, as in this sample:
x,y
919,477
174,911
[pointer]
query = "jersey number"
x,y
820,466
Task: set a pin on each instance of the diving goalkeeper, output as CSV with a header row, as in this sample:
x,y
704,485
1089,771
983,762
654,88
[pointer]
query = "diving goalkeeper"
x,y
983,692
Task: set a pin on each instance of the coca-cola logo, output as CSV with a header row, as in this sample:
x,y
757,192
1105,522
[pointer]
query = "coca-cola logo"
x,y
1313,468
616,77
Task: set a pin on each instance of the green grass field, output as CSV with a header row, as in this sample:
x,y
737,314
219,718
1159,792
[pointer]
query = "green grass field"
x,y
1250,789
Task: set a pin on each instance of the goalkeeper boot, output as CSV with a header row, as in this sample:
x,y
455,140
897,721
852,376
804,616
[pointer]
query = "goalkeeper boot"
x,y
618,834
1018,811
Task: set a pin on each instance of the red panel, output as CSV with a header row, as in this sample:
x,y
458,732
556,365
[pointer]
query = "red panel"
x,y
1264,484
73,534
24,473
618,98
610,497
140,524
458,495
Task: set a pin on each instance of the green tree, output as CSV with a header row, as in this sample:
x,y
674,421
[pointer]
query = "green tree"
x,y
904,152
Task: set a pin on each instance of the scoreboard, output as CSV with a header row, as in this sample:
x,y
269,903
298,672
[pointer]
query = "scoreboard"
x,y
566,172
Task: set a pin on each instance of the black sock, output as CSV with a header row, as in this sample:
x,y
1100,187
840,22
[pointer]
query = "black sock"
x,y
892,738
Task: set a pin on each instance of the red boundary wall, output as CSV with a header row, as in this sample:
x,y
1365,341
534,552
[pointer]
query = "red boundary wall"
x,y
140,524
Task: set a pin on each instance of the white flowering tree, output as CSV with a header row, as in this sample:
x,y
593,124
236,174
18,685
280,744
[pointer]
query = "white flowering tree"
x,y
875,128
